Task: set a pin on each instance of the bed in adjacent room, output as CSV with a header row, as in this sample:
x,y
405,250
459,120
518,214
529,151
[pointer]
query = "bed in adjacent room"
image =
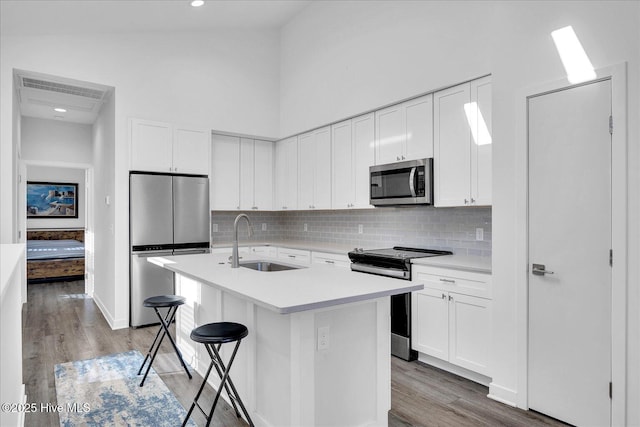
x,y
55,255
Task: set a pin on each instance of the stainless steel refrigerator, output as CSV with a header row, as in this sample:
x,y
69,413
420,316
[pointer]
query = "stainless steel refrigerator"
x,y
168,215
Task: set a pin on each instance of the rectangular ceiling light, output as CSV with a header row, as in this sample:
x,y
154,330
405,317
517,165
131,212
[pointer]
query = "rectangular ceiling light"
x,y
575,60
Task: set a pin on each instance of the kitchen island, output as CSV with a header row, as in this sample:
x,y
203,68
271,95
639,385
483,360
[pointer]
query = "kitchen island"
x,y
318,350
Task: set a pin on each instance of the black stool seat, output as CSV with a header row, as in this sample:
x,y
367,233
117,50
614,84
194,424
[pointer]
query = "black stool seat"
x,y
213,335
219,333
164,301
172,302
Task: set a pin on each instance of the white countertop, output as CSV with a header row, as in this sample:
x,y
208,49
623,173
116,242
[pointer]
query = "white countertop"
x,y
479,264
289,291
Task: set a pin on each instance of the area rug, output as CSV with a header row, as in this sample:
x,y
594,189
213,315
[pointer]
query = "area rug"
x,y
106,391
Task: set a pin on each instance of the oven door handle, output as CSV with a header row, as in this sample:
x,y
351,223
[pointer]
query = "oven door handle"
x,y
412,181
399,274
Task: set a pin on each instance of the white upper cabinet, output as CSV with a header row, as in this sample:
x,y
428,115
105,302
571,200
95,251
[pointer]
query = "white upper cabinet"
x,y
164,147
151,146
404,131
481,151
263,174
191,150
286,174
256,174
241,173
225,173
352,153
314,169
462,144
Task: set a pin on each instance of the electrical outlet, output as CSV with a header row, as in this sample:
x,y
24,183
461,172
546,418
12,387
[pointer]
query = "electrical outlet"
x,y
360,229
479,234
323,338
214,228
306,228
264,226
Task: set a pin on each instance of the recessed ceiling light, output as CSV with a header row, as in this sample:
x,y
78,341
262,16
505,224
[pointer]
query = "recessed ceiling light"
x,y
197,3
60,110
575,60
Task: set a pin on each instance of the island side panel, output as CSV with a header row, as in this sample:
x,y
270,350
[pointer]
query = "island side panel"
x,y
281,375
352,374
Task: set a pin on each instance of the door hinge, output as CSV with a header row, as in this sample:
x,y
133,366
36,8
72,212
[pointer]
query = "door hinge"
x,y
611,125
610,390
611,257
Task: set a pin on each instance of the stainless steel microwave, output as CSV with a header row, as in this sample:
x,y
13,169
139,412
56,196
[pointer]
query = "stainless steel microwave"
x,y
402,183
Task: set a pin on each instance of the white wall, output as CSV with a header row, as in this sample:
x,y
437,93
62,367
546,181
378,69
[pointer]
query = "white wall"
x,y
101,266
342,58
55,141
223,80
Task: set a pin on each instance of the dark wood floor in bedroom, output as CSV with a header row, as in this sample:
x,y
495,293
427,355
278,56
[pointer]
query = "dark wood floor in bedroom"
x,y
60,324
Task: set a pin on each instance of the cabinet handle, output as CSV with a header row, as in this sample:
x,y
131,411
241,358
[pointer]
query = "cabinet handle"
x,y
466,202
444,296
473,200
450,298
291,256
403,157
397,157
328,261
448,280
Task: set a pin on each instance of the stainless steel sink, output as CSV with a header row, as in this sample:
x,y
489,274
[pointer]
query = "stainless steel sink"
x,y
268,266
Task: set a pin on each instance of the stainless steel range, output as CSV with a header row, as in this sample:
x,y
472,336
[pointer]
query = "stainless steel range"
x,y
394,262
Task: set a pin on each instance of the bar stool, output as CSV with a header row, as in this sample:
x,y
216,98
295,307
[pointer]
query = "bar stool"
x,y
213,335
172,302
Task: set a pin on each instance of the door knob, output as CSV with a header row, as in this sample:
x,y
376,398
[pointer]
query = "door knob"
x,y
540,270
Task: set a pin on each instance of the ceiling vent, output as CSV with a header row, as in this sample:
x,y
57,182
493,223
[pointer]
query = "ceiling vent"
x,y
67,89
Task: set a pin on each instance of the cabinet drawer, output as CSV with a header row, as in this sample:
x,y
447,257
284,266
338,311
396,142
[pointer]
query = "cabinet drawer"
x,y
336,260
463,282
296,255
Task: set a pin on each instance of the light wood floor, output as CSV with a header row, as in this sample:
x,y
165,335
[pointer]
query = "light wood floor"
x,y
60,324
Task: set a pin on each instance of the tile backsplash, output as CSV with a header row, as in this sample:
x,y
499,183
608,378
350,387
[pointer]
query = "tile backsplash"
x,y
422,226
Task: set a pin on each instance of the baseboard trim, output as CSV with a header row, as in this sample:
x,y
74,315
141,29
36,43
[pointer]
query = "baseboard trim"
x,y
454,369
113,323
503,394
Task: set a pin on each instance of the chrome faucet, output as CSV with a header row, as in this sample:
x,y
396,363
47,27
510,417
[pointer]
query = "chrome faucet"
x,y
235,260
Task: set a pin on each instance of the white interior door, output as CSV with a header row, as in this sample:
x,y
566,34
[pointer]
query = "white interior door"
x,y
570,234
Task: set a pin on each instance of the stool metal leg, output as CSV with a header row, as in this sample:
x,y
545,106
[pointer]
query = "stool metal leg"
x,y
223,372
219,365
166,325
195,400
164,330
226,379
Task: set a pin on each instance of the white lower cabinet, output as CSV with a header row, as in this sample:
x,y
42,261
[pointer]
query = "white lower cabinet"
x,y
268,251
295,255
451,325
332,259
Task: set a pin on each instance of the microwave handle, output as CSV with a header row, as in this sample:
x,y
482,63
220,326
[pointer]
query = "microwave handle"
x,y
412,180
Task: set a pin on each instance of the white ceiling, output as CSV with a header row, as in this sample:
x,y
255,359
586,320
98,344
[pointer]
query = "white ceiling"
x,y
75,17
34,17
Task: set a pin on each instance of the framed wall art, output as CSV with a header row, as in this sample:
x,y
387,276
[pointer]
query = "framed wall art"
x,y
52,200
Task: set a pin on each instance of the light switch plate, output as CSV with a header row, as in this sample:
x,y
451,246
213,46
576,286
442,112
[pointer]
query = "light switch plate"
x,y
479,234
